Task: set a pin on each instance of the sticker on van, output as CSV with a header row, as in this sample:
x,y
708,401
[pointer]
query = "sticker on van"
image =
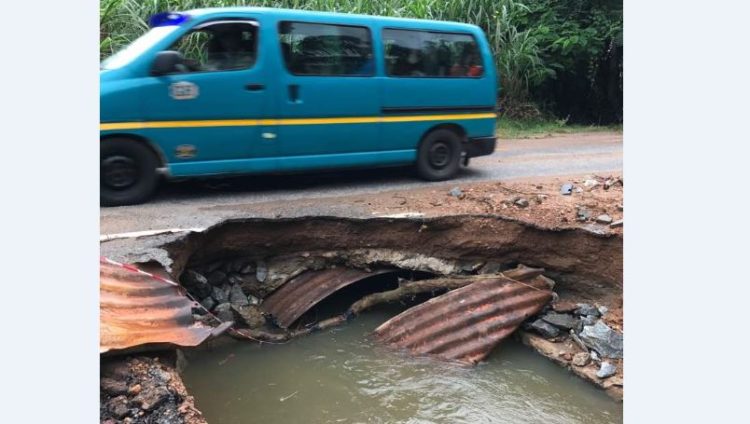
x,y
183,90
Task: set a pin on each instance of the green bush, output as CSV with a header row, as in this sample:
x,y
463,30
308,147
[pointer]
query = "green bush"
x,y
555,58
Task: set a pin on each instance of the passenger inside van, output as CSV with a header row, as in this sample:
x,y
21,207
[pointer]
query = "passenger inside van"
x,y
230,48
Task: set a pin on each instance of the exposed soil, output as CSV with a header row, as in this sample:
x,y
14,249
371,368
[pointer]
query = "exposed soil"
x,y
546,206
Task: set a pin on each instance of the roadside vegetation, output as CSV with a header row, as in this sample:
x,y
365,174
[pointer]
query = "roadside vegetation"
x,y
560,62
508,128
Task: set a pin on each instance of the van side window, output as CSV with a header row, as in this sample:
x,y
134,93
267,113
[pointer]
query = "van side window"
x,y
411,53
221,46
329,50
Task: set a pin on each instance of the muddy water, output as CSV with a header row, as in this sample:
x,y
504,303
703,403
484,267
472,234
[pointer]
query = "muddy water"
x,y
339,376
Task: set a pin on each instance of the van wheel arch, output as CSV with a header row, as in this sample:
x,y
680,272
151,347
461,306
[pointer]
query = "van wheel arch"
x,y
458,129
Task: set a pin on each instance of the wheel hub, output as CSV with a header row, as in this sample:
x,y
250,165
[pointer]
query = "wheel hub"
x,y
119,172
440,154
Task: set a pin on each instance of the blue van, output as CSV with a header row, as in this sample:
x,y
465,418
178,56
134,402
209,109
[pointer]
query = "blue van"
x,y
253,90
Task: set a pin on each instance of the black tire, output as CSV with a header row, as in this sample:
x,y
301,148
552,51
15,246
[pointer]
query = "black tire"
x,y
439,156
128,172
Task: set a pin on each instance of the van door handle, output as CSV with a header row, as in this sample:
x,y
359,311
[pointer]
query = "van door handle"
x,y
294,93
254,87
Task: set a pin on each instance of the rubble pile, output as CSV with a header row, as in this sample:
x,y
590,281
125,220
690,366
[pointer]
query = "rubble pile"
x,y
144,389
576,336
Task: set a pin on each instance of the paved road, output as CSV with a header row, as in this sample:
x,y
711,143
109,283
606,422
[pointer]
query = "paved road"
x,y
198,204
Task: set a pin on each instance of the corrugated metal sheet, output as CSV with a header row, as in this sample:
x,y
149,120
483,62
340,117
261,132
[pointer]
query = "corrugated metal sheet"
x,y
465,324
136,309
298,295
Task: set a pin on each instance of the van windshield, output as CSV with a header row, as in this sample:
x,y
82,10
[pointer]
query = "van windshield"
x,y
137,47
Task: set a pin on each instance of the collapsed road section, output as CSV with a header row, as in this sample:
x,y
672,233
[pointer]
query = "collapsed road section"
x,y
459,279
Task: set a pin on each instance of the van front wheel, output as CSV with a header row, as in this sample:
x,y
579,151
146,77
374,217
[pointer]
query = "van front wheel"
x,y
127,172
439,155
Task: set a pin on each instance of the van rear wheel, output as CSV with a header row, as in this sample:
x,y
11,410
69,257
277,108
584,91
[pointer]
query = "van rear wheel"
x,y
127,174
439,155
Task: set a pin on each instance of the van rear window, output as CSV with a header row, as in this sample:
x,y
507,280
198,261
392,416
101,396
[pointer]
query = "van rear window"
x,y
413,53
329,50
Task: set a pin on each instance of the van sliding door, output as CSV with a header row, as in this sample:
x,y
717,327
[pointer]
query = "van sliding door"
x,y
329,94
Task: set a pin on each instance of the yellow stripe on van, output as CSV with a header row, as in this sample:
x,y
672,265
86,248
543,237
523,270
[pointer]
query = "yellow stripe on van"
x,y
291,121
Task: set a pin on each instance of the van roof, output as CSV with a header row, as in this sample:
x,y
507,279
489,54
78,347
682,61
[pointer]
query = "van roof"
x,y
351,17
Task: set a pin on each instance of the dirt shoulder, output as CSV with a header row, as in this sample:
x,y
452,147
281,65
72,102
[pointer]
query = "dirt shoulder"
x,y
535,200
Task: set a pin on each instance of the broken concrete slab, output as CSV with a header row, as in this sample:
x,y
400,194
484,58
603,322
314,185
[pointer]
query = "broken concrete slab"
x,y
545,329
601,338
564,321
587,309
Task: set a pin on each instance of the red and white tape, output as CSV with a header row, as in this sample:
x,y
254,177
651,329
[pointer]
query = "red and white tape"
x,y
133,268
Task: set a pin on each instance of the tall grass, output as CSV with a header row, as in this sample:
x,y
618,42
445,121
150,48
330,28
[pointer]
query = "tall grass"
x,y
516,54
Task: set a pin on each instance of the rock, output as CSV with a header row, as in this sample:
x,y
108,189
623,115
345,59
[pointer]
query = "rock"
x,y
581,359
566,355
160,375
224,312
237,297
118,406
616,224
248,283
521,203
261,272
564,306
606,370
250,315
214,266
577,340
603,310
118,370
253,300
595,356
579,190
588,320
248,269
582,213
491,268
151,397
456,192
208,303
113,387
238,264
564,321
219,294
196,284
602,339
216,278
604,219
590,184
544,329
566,189
134,389
539,198
587,309
620,208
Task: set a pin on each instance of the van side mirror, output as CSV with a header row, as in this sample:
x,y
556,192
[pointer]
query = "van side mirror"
x,y
166,62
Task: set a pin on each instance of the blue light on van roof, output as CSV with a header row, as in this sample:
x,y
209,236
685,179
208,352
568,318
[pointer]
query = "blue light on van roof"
x,y
167,19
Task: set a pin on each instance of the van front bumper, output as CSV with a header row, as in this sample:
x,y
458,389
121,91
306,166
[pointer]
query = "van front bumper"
x,y
480,146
